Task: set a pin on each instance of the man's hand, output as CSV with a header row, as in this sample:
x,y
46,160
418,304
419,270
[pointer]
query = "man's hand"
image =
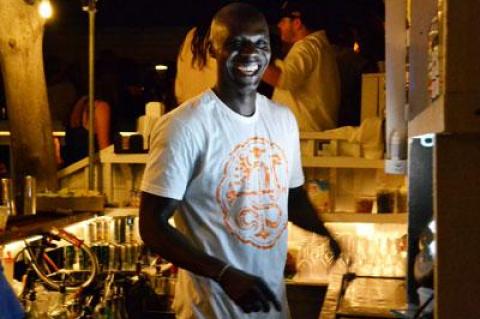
x,y
302,214
249,292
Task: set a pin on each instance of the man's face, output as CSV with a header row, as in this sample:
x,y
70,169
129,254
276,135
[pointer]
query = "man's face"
x,y
287,27
242,51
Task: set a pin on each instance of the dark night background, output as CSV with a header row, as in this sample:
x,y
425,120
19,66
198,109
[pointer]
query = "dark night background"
x,y
182,12
150,31
143,33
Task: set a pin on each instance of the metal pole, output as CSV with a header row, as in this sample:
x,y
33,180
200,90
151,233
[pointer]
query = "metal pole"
x,y
91,93
395,56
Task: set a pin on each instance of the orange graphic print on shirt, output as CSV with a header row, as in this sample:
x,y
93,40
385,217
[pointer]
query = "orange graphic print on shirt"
x,y
253,192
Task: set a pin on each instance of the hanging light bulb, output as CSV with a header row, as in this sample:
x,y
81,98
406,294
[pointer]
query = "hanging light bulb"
x,y
161,67
45,9
356,47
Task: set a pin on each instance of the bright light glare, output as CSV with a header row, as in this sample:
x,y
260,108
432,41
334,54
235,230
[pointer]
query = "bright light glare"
x,y
433,226
433,248
15,246
126,134
161,67
45,9
356,47
365,230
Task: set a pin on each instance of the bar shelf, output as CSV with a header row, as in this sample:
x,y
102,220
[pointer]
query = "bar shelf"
x,y
22,227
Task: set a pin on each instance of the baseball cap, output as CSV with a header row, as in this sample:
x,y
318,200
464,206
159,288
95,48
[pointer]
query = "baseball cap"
x,y
311,12
290,9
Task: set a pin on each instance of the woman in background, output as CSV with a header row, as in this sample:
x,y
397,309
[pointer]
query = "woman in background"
x,y
76,134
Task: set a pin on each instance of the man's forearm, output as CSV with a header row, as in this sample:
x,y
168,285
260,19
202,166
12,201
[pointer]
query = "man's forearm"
x,y
172,245
302,213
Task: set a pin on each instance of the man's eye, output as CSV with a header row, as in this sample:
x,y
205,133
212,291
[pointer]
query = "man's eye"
x,y
262,44
236,44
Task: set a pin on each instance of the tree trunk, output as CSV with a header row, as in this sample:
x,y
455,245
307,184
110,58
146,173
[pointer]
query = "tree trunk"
x,y
21,60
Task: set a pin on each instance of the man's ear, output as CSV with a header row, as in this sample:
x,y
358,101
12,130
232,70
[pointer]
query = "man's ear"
x,y
297,23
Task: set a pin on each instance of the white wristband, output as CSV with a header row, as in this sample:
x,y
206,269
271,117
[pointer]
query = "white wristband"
x,y
222,272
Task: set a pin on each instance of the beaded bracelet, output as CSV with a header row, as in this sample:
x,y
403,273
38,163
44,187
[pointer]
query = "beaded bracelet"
x,y
222,272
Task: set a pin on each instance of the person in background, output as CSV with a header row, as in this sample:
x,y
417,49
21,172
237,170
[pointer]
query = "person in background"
x,y
196,69
76,133
307,80
228,163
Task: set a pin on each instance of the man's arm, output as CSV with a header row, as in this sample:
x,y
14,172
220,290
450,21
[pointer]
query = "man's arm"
x,y
249,292
162,238
302,214
292,71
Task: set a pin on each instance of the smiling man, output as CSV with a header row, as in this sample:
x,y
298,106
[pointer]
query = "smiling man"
x,y
228,162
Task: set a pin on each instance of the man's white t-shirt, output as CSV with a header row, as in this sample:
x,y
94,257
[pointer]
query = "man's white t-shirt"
x,y
232,174
310,83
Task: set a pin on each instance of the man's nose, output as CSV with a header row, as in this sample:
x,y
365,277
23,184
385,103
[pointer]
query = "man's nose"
x,y
247,48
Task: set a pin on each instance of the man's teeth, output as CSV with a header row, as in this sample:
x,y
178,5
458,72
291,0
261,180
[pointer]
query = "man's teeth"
x,y
248,69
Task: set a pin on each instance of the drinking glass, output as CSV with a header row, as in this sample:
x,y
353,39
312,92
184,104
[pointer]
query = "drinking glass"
x,y
7,199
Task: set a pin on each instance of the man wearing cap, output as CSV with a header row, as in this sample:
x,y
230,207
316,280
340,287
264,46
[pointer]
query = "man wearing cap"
x,y
229,160
307,80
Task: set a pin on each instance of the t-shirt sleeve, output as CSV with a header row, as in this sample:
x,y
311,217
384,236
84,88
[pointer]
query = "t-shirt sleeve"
x,y
298,64
296,172
171,159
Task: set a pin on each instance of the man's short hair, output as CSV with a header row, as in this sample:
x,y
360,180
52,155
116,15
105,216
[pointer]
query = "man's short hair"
x,y
312,13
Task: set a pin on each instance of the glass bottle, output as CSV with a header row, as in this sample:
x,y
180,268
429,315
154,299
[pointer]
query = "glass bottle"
x,y
122,307
31,307
59,309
